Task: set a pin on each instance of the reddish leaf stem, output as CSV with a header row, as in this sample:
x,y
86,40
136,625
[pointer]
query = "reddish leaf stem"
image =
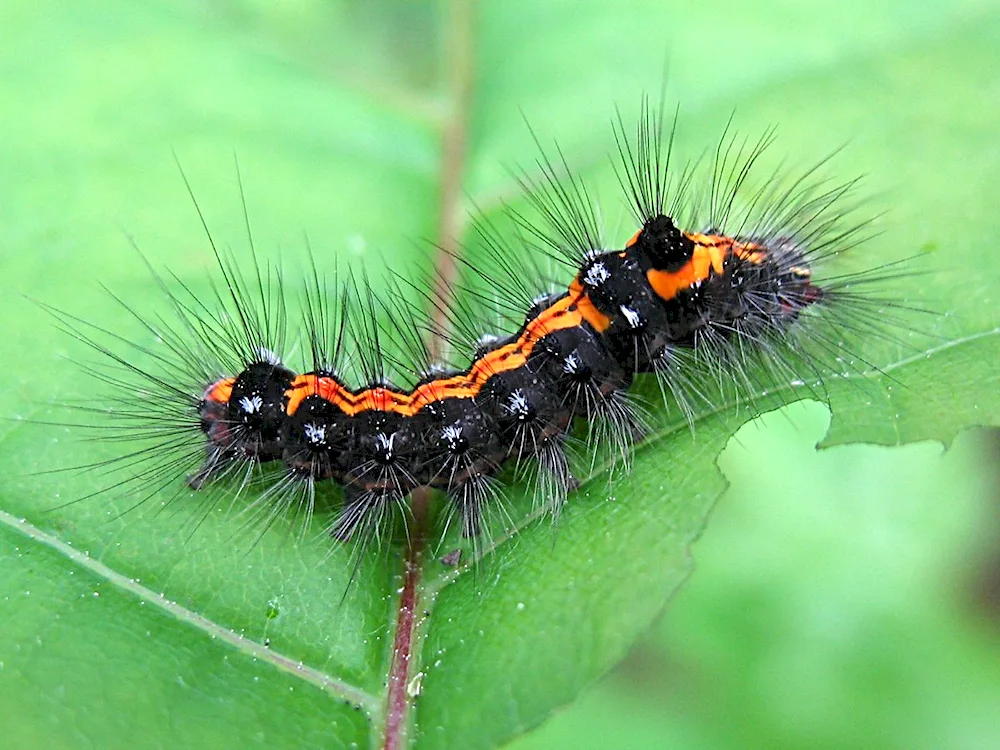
x,y
405,648
397,708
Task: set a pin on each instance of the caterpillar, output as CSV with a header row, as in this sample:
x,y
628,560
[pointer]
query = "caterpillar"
x,y
718,285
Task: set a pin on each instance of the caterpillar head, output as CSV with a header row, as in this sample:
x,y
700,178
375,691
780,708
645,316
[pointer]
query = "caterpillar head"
x,y
662,245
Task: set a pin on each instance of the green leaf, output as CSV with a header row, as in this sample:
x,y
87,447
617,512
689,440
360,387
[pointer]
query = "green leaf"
x,y
369,128
841,600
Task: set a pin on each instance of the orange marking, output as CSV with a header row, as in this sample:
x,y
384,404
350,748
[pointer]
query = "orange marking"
x,y
563,314
635,238
316,385
598,320
220,391
709,255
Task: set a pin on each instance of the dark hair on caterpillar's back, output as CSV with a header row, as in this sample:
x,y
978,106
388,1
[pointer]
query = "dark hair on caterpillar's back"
x,y
717,289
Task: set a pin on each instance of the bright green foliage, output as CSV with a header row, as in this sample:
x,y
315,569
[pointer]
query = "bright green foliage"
x,y
149,629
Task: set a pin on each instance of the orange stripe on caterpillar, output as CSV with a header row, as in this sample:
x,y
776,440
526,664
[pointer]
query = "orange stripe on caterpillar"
x,y
566,312
669,302
220,391
709,256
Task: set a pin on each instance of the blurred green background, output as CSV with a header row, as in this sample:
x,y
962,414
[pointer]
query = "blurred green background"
x,y
842,599
846,598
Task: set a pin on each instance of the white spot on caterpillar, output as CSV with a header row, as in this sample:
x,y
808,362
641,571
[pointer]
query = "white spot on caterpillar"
x,y
315,434
266,355
631,316
385,442
596,275
571,364
452,436
517,404
251,404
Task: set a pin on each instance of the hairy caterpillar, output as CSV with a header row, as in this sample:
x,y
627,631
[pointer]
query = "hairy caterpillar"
x,y
720,284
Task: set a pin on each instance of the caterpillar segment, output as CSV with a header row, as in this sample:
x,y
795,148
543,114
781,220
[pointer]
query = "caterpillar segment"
x,y
625,313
